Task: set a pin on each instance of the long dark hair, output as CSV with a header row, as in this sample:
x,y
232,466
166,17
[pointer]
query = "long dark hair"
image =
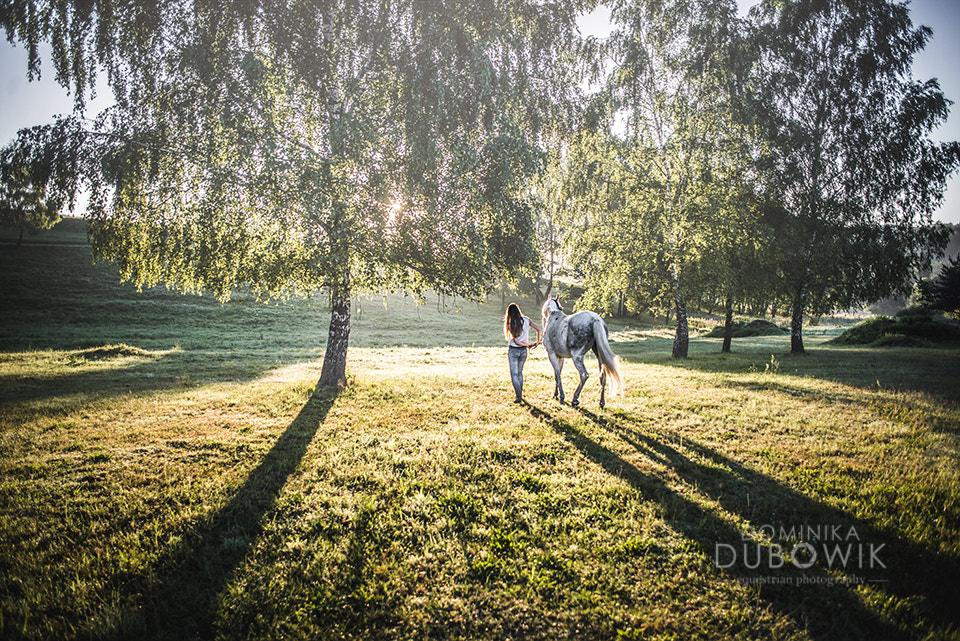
x,y
512,322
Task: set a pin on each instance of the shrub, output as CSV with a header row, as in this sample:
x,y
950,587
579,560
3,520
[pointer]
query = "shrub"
x,y
903,331
917,310
746,330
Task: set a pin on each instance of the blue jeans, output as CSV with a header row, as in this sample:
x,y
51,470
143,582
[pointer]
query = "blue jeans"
x,y
517,357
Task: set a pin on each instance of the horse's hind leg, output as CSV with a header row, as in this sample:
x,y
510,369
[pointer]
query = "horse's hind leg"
x,y
603,377
557,363
584,375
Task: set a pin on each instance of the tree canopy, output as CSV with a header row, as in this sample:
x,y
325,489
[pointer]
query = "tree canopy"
x,y
851,161
786,156
286,145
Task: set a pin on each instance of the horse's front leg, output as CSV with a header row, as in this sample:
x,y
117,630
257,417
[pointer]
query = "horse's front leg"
x,y
584,375
557,363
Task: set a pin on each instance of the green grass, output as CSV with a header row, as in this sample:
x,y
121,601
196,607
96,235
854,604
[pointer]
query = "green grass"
x,y
168,470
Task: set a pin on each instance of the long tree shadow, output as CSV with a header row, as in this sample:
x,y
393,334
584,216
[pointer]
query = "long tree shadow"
x,y
152,372
931,371
823,601
853,398
179,598
145,374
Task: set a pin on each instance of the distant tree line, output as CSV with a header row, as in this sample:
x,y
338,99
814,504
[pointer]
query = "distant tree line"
x,y
777,161
24,203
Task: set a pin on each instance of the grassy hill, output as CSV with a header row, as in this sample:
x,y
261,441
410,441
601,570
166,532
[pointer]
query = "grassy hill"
x,y
167,470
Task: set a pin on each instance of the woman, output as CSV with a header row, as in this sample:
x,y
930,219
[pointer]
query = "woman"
x,y
516,329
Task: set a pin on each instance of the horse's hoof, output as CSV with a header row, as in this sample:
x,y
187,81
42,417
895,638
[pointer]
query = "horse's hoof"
x,y
574,403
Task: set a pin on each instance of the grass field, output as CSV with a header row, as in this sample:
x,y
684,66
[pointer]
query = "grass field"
x,y
167,470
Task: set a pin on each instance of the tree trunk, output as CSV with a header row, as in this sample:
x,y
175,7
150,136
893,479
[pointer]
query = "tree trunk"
x,y
728,327
681,341
20,239
800,302
549,287
796,323
334,371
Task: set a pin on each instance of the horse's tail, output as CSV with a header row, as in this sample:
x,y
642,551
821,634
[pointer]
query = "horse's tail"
x,y
608,360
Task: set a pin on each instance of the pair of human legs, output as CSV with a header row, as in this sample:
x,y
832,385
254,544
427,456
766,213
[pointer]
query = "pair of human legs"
x,y
517,356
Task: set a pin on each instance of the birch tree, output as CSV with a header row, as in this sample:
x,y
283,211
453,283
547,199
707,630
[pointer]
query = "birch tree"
x,y
852,161
670,60
286,145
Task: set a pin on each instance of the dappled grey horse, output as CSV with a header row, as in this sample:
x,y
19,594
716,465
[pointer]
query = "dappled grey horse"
x,y
572,337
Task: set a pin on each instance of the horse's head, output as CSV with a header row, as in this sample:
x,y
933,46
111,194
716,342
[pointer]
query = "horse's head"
x,y
552,306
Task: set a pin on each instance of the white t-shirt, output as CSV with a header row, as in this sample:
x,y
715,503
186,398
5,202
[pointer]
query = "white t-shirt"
x,y
524,336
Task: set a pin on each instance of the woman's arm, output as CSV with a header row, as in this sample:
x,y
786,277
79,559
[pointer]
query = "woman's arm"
x,y
539,335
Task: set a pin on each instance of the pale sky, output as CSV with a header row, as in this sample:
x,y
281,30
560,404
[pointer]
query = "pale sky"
x,y
31,103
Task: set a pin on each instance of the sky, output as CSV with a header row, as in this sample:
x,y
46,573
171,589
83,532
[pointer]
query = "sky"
x,y
24,103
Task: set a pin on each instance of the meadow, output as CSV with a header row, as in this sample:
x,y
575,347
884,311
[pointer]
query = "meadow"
x,y
168,470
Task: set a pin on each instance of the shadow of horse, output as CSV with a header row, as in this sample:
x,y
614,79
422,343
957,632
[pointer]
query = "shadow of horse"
x,y
827,603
